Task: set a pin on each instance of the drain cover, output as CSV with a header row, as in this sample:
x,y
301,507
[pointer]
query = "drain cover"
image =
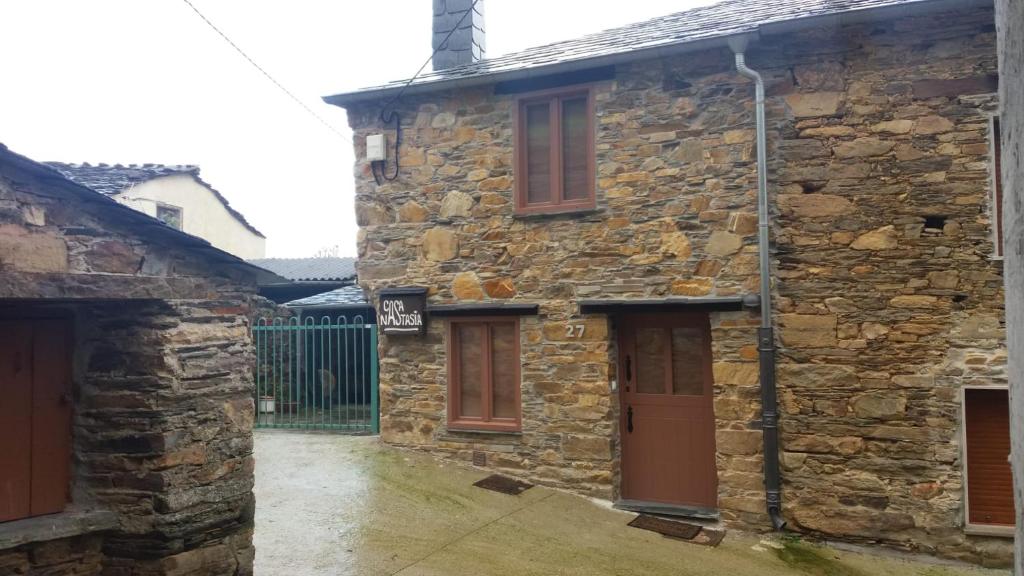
x,y
503,484
670,528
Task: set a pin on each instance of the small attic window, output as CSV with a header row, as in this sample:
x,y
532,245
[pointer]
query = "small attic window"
x,y
170,215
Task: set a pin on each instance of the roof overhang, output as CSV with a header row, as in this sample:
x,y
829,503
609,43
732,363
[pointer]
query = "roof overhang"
x,y
140,222
753,34
485,309
303,308
671,304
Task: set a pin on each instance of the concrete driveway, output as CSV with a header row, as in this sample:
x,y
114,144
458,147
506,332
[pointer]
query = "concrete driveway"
x,y
339,505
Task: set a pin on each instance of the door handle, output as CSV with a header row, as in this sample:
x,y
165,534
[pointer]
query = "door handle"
x,y
629,419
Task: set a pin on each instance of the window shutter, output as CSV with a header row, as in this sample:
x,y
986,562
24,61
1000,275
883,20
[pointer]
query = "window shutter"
x,y
997,210
538,152
989,480
35,417
575,149
470,339
503,368
51,417
15,420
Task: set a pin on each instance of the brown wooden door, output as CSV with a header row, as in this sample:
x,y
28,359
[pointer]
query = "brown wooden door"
x,y
35,417
668,425
989,479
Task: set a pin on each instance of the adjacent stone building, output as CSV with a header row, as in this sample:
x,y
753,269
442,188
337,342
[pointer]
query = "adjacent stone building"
x,y
127,410
177,196
583,217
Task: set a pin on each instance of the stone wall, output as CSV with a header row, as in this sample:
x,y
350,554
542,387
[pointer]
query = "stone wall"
x,y
163,409
888,300
76,556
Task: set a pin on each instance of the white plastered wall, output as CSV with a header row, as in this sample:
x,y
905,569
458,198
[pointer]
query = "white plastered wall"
x,y
202,214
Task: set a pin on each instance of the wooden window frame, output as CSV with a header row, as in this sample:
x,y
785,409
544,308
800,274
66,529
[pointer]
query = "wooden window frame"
x,y
179,209
996,196
520,172
486,422
970,527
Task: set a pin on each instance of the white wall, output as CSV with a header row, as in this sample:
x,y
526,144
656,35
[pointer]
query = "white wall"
x,y
1010,27
202,214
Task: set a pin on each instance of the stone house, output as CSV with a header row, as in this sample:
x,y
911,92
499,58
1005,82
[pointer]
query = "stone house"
x,y
177,196
125,365
583,218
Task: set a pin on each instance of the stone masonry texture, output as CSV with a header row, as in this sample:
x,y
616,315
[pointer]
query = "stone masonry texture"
x,y
888,300
162,370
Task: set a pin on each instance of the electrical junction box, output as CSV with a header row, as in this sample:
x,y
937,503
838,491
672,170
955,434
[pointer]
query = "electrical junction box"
x,y
376,148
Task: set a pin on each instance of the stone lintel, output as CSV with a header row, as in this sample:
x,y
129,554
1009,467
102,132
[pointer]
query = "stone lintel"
x,y
484,309
55,527
662,304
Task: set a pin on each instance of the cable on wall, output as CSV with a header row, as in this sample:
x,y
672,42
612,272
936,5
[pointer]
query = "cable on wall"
x,y
387,117
264,72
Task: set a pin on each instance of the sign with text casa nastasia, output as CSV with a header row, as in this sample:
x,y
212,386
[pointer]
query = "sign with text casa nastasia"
x,y
403,310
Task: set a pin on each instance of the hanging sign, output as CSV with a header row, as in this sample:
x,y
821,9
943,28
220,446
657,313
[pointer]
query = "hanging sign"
x,y
403,310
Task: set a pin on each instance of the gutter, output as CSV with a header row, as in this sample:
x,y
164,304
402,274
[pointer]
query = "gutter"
x,y
666,50
765,334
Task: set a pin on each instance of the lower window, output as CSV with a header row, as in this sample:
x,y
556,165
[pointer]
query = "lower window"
x,y
986,450
483,374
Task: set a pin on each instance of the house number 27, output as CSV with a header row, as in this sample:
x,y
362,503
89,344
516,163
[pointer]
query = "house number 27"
x,y
575,330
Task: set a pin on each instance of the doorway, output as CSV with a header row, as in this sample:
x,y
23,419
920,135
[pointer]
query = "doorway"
x,y
667,414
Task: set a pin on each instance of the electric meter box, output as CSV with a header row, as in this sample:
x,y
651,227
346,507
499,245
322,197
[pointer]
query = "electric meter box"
x,y
376,149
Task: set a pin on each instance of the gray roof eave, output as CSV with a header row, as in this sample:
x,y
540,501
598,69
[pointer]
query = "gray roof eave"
x,y
752,34
369,94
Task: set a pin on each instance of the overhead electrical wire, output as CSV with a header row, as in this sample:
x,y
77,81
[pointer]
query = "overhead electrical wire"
x,y
265,73
393,115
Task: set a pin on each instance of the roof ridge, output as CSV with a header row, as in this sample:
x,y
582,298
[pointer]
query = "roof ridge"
x,y
182,167
707,26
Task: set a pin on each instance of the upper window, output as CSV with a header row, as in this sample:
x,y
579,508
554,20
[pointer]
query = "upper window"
x,y
35,417
555,153
997,188
170,215
483,383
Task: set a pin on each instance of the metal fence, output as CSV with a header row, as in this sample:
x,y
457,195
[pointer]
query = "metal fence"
x,y
316,374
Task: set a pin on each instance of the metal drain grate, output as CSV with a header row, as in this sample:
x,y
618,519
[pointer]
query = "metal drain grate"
x,y
503,484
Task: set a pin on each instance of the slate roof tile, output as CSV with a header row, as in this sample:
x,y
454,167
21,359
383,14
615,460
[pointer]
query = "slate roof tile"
x,y
719,20
346,297
112,179
310,269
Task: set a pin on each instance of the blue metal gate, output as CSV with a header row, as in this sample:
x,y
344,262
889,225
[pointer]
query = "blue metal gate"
x,y
316,375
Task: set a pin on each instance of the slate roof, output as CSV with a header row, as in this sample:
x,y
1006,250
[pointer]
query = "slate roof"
x,y
142,224
310,269
112,179
346,297
718,21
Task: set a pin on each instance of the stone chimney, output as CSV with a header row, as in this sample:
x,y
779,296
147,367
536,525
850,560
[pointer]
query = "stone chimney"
x,y
467,42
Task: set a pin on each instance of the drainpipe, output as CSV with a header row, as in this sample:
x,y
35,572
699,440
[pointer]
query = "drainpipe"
x,y
765,334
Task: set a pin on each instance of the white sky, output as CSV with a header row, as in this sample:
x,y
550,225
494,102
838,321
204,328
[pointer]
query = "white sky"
x,y
136,81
